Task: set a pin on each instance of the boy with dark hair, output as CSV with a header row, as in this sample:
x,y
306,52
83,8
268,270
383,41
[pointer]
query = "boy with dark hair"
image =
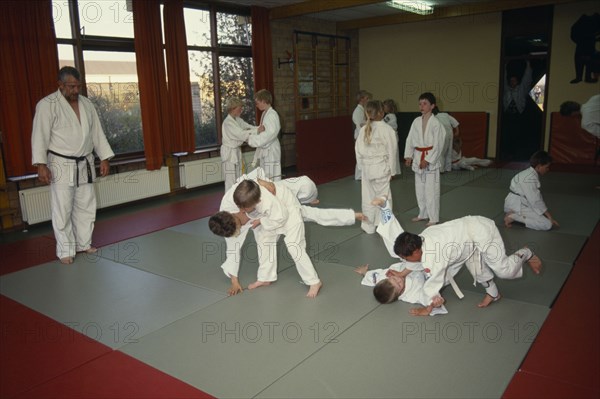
x,y
471,240
524,202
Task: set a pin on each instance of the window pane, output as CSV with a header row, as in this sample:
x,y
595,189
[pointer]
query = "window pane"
x,y
112,85
62,19
537,93
203,97
197,27
236,81
65,55
234,29
105,18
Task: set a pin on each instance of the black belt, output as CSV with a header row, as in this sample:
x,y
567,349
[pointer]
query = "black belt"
x,y
514,192
77,160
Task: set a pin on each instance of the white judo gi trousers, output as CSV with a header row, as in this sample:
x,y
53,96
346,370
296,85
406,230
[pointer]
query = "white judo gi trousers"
x,y
73,205
427,190
523,214
231,172
321,216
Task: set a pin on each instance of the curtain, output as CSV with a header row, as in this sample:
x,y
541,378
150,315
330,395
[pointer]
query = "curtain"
x,y
28,72
151,77
262,57
180,90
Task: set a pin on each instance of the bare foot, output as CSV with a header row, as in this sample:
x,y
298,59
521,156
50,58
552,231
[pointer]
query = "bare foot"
x,y
379,201
488,299
91,250
536,264
360,216
431,224
257,284
315,202
508,220
417,219
314,290
67,261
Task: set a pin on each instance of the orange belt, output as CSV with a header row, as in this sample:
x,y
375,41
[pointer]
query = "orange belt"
x,y
424,151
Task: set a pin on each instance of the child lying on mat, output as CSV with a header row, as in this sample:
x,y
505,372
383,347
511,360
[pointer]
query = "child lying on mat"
x,y
460,162
418,279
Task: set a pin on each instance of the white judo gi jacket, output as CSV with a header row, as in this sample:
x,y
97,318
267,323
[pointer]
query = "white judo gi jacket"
x,y
449,123
426,145
474,240
268,149
525,201
56,128
235,133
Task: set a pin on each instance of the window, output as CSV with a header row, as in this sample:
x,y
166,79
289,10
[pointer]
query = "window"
x,y
97,38
112,85
107,61
225,53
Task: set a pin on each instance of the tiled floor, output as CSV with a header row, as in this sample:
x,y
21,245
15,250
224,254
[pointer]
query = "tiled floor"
x,y
156,296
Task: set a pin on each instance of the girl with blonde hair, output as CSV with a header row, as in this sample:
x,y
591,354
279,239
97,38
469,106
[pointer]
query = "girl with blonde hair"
x,y
376,152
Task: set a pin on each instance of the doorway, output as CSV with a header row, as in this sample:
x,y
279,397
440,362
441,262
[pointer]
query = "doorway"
x,y
526,35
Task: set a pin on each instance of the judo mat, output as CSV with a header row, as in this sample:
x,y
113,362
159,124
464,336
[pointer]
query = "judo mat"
x,y
151,309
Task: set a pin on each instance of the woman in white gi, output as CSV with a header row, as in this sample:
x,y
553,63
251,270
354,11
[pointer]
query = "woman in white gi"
x,y
451,131
524,202
66,133
444,248
390,108
423,150
266,140
235,133
359,118
376,151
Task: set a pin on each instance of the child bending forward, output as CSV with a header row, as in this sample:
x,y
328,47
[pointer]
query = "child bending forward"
x,y
278,215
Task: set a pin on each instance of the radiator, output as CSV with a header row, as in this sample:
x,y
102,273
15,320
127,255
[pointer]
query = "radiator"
x,y
110,190
205,171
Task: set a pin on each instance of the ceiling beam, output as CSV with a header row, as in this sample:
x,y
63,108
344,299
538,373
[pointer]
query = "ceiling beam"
x,y
315,6
445,12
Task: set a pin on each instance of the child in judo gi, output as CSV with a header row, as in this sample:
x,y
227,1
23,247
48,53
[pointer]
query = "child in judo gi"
x,y
235,132
451,131
266,142
423,150
524,202
390,108
475,240
459,162
278,215
376,152
359,118
233,224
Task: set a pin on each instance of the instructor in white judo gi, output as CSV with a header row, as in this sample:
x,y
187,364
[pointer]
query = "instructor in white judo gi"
x,y
66,132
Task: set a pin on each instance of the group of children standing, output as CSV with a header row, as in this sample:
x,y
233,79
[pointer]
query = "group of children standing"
x,y
427,152
272,207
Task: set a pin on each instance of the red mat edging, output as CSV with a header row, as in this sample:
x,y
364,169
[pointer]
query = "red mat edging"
x,y
23,254
527,385
567,348
36,349
115,375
